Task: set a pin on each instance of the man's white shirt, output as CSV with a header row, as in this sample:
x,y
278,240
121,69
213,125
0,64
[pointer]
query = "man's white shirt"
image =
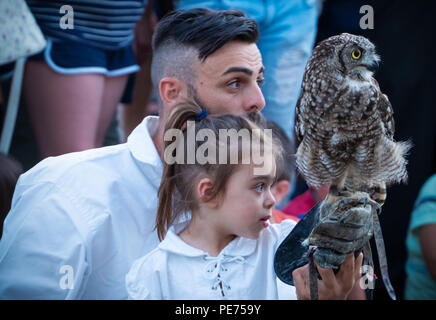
x,y
79,220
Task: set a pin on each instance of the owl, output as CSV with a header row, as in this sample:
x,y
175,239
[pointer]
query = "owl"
x,y
344,122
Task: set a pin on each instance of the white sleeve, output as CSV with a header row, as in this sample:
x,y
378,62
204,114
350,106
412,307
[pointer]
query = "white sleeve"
x,y
143,279
42,254
285,228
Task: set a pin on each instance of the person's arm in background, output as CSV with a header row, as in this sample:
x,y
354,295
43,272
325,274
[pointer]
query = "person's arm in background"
x,y
427,241
42,253
423,224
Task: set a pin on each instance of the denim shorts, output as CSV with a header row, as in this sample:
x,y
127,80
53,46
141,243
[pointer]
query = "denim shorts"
x,y
70,57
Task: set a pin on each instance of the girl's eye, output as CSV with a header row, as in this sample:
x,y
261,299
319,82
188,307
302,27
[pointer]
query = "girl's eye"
x,y
356,54
260,82
259,187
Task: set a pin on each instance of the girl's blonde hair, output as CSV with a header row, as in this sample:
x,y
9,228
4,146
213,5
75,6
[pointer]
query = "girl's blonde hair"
x,y
177,189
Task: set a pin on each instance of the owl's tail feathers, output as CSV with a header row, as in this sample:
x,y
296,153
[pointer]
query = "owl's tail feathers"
x,y
394,162
391,168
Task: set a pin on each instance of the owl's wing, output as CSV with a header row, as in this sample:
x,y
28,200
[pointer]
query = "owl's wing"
x,y
299,130
314,107
386,112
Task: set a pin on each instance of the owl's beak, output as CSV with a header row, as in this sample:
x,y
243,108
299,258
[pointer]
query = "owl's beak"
x,y
373,66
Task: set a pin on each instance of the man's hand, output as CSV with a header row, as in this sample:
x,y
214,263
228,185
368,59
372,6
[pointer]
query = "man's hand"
x,y
331,287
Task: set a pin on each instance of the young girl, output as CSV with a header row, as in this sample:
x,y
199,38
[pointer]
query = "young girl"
x,y
226,250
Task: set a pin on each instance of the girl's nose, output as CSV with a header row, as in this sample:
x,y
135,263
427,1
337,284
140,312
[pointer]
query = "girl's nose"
x,y
270,201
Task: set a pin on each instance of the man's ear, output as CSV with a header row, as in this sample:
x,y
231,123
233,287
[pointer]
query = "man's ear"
x,y
280,189
172,90
204,193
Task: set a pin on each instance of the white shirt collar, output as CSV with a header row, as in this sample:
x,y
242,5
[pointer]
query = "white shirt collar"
x,y
173,243
142,147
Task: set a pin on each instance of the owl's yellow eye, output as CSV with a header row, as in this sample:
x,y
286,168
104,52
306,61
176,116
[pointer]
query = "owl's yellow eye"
x,y
356,54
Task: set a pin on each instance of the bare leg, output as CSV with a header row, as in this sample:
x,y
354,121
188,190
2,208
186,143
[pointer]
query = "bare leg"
x,y
134,113
64,109
113,90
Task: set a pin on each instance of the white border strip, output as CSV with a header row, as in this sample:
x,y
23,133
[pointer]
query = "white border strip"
x,y
82,70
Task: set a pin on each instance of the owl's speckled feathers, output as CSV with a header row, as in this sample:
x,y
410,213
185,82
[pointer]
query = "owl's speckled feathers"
x,y
344,122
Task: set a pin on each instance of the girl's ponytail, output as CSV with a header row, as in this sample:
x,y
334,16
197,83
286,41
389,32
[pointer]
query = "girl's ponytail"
x,y
165,214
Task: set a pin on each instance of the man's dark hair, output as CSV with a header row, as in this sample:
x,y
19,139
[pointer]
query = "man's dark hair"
x,y
205,30
184,36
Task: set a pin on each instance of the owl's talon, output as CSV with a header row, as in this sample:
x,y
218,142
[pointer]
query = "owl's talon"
x,y
341,202
378,208
344,202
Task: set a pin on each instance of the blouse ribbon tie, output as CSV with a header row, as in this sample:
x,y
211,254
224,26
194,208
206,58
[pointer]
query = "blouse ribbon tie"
x,y
216,265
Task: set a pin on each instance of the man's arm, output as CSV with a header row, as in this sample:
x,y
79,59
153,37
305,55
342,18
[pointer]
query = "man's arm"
x,y
42,254
331,287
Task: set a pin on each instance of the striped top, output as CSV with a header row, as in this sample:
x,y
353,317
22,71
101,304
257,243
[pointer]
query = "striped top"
x,y
107,24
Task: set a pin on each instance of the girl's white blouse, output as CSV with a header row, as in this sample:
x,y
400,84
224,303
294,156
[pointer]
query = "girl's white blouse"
x,y
243,270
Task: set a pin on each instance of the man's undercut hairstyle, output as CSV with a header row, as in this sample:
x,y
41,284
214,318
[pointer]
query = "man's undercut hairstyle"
x,y
184,36
205,30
